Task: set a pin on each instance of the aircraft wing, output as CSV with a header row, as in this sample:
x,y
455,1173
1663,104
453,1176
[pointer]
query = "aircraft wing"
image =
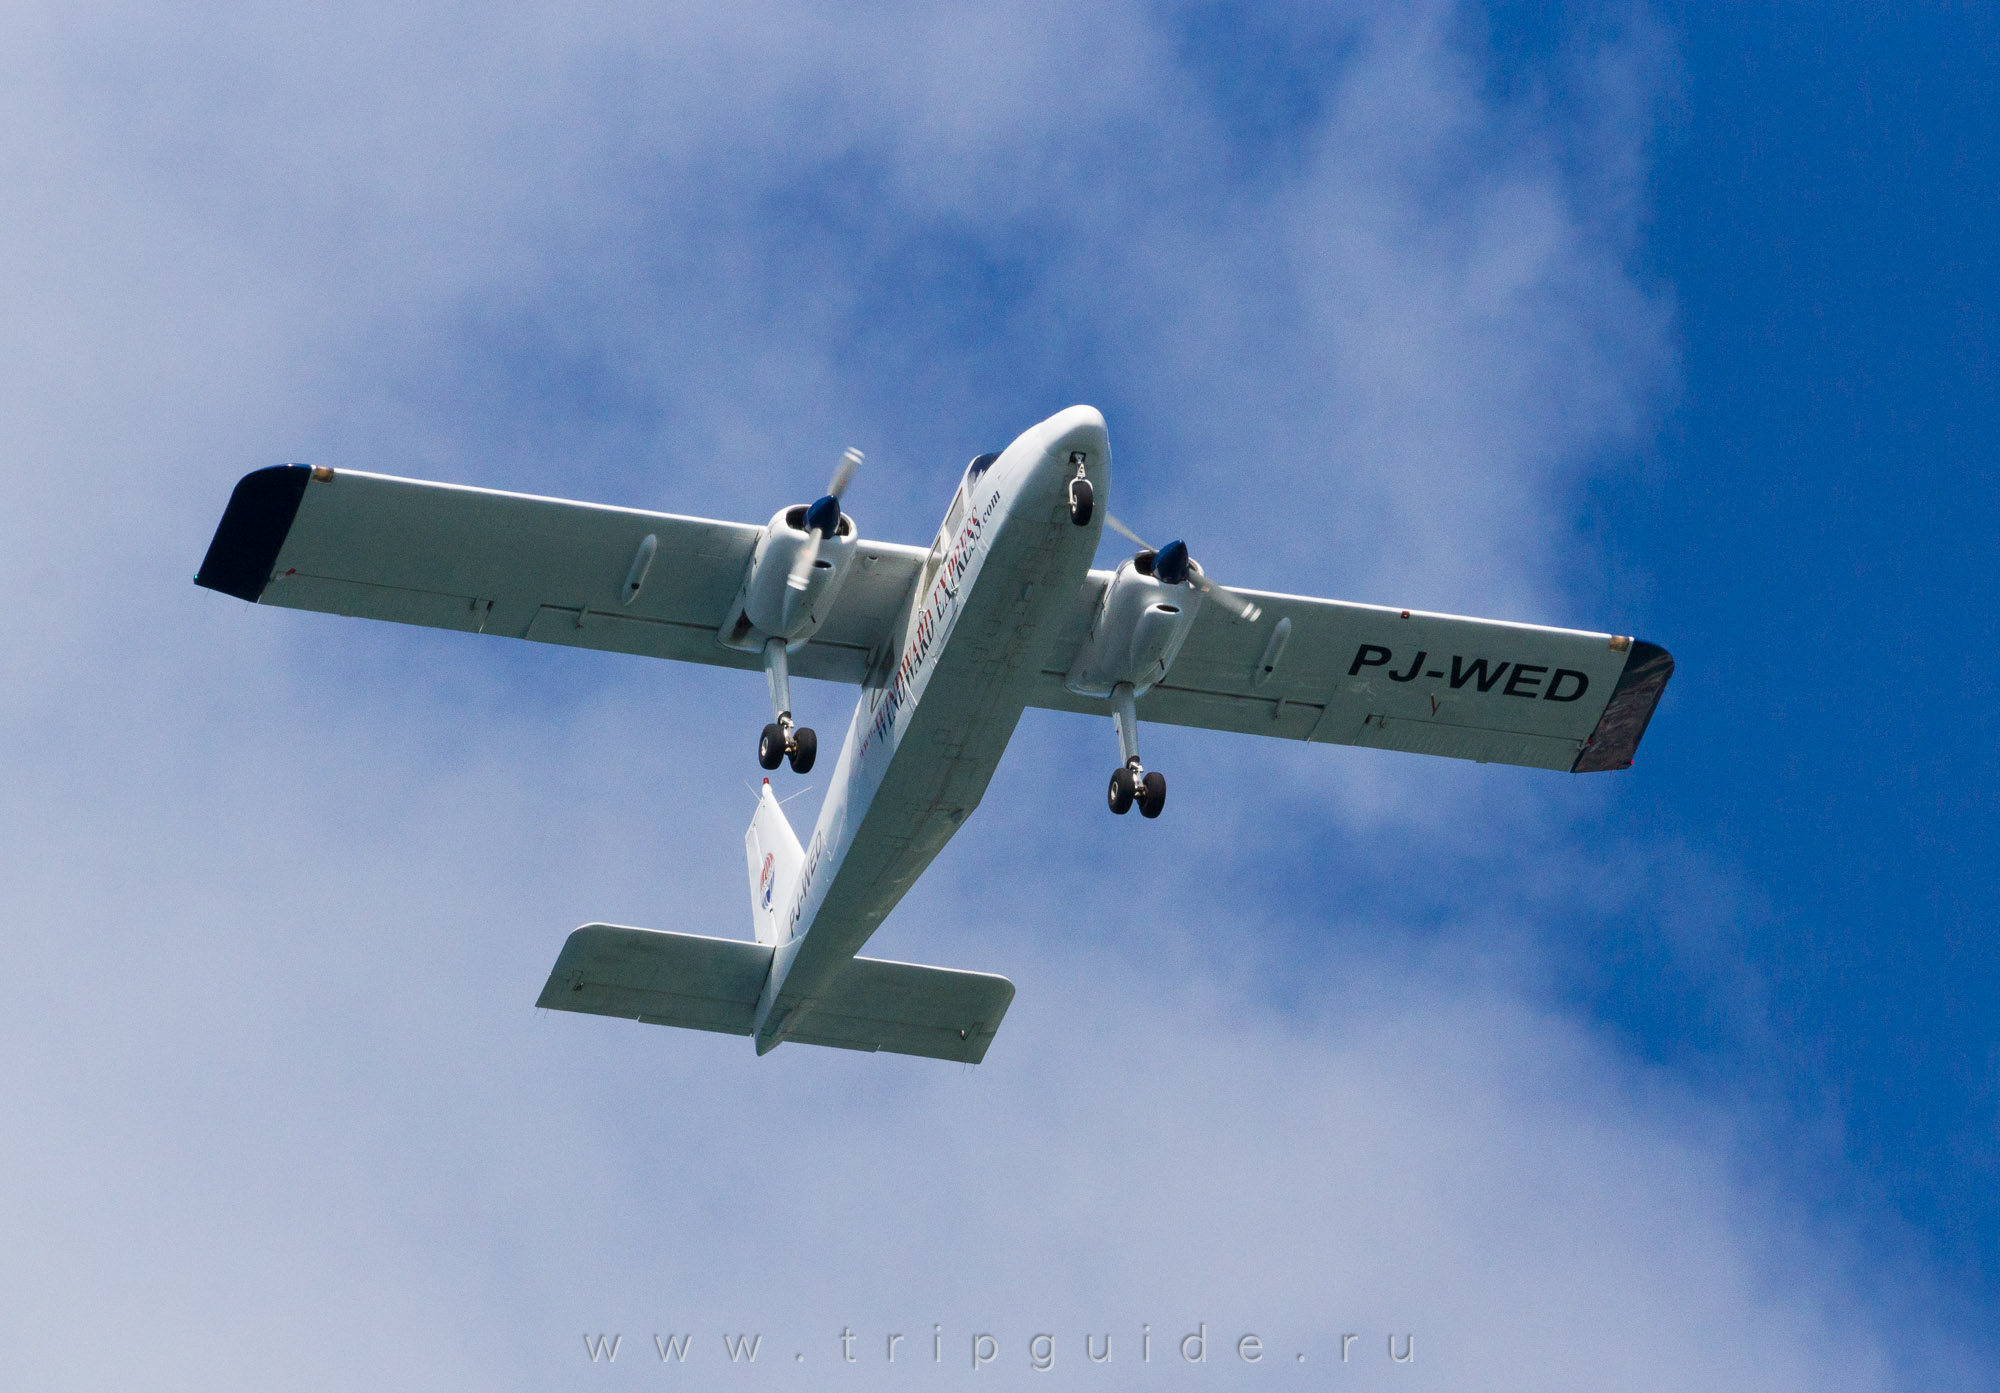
x,y
537,568
1351,674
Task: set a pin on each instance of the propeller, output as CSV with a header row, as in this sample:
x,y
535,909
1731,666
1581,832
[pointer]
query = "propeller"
x,y
823,519
1172,565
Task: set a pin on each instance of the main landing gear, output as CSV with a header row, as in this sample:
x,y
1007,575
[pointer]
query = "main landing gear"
x,y
1131,782
781,740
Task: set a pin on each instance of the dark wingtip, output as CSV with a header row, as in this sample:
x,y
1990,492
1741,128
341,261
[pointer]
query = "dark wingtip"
x,y
1623,724
252,531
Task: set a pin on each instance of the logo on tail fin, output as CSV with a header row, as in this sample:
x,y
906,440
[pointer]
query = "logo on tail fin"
x,y
764,881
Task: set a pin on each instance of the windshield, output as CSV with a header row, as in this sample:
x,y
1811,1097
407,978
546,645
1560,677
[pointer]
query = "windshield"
x,y
952,518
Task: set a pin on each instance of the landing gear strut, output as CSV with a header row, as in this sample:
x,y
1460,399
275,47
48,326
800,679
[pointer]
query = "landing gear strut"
x,y
781,740
1131,782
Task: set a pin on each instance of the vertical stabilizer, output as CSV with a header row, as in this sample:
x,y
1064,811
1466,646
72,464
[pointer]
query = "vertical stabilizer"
x,y
775,856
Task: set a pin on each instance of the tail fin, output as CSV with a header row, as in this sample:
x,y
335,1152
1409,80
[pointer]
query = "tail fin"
x,y
775,857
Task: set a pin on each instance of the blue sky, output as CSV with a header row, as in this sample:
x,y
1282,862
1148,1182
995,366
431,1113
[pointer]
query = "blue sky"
x,y
1672,321
1815,518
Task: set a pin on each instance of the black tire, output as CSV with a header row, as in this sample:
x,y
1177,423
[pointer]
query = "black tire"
x,y
1153,796
805,749
1082,502
771,746
1122,789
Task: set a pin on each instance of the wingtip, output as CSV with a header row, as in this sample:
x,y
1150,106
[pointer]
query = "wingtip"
x,y
1615,742
253,530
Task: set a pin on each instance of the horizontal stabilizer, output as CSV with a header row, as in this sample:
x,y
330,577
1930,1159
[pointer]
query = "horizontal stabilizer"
x,y
713,984
907,1009
659,978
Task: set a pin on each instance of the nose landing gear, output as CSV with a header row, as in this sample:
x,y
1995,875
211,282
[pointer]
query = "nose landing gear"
x,y
781,740
1131,782
1082,498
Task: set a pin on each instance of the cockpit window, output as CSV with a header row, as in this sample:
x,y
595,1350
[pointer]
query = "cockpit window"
x,y
952,518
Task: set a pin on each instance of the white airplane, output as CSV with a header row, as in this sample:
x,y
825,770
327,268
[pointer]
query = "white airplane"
x,y
948,645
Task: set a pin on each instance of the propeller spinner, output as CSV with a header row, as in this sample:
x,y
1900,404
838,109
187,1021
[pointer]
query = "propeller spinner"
x,y
823,519
1172,565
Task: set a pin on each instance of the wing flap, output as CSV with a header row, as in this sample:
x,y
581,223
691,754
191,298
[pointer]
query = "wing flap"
x,y
578,626
904,1008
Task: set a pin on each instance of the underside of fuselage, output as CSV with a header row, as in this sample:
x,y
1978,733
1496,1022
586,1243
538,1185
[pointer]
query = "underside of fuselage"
x,y
931,727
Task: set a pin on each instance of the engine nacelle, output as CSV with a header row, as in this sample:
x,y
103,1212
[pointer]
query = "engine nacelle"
x,y
766,605
1135,635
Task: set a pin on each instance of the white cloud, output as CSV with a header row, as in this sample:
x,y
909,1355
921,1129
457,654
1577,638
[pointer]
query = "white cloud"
x,y
284,886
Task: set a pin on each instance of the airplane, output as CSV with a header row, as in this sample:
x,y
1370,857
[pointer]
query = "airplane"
x,y
949,645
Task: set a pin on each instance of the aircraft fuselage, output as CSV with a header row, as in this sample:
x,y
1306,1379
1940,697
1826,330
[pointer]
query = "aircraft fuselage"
x,y
936,715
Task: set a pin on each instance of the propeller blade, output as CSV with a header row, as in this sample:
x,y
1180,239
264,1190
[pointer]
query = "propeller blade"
x,y
843,473
1122,530
1228,599
816,528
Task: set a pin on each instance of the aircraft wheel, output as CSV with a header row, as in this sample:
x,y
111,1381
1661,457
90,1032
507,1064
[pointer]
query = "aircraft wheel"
x,y
1123,787
1082,502
805,749
1153,796
771,746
